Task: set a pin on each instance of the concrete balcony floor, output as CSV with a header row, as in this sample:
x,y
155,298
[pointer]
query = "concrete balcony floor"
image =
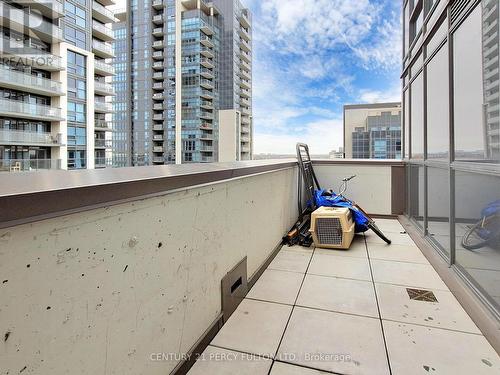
x,y
318,311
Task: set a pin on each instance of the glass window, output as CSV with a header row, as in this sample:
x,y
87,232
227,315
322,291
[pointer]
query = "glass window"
x,y
406,21
76,112
76,37
76,64
475,214
407,123
438,106
75,15
416,186
417,118
438,207
476,131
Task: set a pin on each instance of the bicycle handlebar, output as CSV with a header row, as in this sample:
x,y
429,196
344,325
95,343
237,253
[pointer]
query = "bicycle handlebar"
x,y
349,178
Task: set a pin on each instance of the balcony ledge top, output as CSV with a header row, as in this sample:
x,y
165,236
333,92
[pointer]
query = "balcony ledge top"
x,y
27,197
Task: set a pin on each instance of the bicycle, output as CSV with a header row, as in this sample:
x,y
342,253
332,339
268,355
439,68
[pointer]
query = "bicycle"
x,y
486,232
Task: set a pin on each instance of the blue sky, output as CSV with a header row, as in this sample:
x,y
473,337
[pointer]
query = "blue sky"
x,y
313,56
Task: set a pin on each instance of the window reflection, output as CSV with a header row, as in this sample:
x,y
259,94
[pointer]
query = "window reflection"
x,y
475,193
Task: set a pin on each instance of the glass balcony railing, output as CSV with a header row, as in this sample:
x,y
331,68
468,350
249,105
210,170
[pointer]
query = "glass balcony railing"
x,y
29,138
102,125
25,165
103,87
29,110
103,30
25,81
18,18
104,67
103,162
102,49
103,107
101,13
29,56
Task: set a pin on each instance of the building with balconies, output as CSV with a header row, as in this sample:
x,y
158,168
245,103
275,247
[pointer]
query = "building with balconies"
x,y
236,78
53,79
189,52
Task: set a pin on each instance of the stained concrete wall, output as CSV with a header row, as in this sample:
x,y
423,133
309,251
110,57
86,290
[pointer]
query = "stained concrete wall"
x,y
99,292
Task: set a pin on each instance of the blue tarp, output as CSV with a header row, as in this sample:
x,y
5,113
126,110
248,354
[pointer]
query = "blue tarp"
x,y
334,200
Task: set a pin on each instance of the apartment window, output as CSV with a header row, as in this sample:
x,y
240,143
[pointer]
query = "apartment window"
x,y
76,136
75,37
416,20
76,63
437,106
77,159
76,88
417,118
76,112
474,130
75,14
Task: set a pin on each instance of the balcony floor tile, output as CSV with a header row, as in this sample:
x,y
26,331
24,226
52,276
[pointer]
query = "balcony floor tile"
x,y
340,266
340,295
313,331
344,300
400,253
291,260
397,238
218,361
422,350
408,274
445,313
277,286
255,327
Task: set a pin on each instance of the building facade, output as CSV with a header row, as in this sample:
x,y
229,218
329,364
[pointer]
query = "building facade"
x,y
178,69
452,135
372,131
55,95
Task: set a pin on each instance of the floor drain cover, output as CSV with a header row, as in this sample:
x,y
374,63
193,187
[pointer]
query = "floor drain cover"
x,y
421,295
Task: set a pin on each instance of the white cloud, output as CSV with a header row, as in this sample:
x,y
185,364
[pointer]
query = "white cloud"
x,y
322,137
393,94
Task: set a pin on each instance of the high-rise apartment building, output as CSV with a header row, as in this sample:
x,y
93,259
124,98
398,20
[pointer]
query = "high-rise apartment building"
x,y
452,134
54,104
372,131
178,82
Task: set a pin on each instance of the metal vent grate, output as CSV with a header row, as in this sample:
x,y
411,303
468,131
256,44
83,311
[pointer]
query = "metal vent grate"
x,y
458,7
329,231
421,295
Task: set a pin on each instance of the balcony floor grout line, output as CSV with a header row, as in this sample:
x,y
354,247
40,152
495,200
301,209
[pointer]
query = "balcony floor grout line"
x,y
427,326
293,307
378,307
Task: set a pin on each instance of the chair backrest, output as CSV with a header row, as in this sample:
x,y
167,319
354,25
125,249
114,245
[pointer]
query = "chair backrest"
x,y
307,178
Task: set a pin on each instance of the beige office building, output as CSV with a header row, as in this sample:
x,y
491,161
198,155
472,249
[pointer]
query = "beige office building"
x,y
372,131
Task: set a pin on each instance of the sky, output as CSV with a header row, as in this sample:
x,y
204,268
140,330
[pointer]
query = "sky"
x,y
313,56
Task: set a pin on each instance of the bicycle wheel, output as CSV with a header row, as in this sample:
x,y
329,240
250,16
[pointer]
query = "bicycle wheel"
x,y
471,240
378,232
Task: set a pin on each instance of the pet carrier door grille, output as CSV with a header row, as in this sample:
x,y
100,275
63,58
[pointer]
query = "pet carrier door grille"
x,y
329,231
